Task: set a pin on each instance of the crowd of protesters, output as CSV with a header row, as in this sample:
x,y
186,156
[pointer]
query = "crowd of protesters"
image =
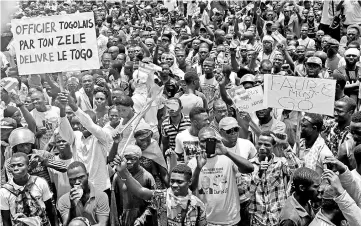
x,y
73,155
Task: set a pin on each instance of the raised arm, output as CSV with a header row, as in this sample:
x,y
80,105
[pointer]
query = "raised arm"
x,y
89,124
131,183
65,130
24,111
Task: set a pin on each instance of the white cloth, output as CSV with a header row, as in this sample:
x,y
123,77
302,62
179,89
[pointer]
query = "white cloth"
x,y
102,42
328,13
83,101
352,12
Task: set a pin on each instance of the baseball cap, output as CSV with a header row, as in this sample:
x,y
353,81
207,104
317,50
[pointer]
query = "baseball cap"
x,y
8,123
227,123
314,60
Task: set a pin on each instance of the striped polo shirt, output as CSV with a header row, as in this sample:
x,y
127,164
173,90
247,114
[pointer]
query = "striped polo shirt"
x,y
169,130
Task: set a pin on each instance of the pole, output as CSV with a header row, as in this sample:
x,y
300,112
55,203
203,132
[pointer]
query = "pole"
x,y
61,81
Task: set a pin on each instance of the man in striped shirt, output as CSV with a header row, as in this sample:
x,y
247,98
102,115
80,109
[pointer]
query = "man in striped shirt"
x,y
175,123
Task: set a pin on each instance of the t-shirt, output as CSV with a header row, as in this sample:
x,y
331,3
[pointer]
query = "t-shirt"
x,y
186,146
217,189
60,179
190,101
245,149
210,88
96,205
39,191
48,119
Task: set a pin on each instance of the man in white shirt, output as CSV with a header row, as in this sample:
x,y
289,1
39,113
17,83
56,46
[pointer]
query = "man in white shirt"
x,y
46,118
313,149
39,204
228,129
209,84
305,40
186,142
221,166
91,147
84,97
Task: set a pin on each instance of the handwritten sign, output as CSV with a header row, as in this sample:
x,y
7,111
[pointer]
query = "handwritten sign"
x,y
248,100
55,43
312,95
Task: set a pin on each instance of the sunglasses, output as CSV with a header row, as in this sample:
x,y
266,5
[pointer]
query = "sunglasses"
x,y
233,130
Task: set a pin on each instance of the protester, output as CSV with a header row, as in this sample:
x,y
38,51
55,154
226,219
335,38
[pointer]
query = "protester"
x,y
83,200
219,166
153,77
298,210
176,204
25,197
279,171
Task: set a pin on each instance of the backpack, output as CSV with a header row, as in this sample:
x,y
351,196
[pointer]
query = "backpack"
x,y
27,204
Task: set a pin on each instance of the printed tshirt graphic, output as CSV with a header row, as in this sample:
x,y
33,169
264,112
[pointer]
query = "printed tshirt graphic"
x,y
190,148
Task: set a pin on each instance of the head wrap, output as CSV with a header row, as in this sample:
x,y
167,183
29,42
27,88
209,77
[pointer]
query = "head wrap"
x,y
133,150
268,38
352,51
143,130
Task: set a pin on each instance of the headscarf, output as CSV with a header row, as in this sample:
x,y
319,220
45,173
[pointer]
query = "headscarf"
x,y
352,51
268,38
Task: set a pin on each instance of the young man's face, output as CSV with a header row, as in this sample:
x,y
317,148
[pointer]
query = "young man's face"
x,y
78,176
18,167
179,184
313,190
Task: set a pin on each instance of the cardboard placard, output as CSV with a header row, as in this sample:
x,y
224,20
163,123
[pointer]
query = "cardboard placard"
x,y
312,95
248,100
55,43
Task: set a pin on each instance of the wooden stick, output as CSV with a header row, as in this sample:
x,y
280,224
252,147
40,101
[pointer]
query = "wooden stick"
x,y
130,136
141,114
61,81
298,133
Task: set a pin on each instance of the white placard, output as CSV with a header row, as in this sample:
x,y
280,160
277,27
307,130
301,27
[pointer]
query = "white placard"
x,y
312,95
248,100
55,43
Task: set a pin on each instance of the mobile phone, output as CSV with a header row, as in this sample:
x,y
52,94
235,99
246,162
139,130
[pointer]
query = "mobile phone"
x,y
211,146
285,66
